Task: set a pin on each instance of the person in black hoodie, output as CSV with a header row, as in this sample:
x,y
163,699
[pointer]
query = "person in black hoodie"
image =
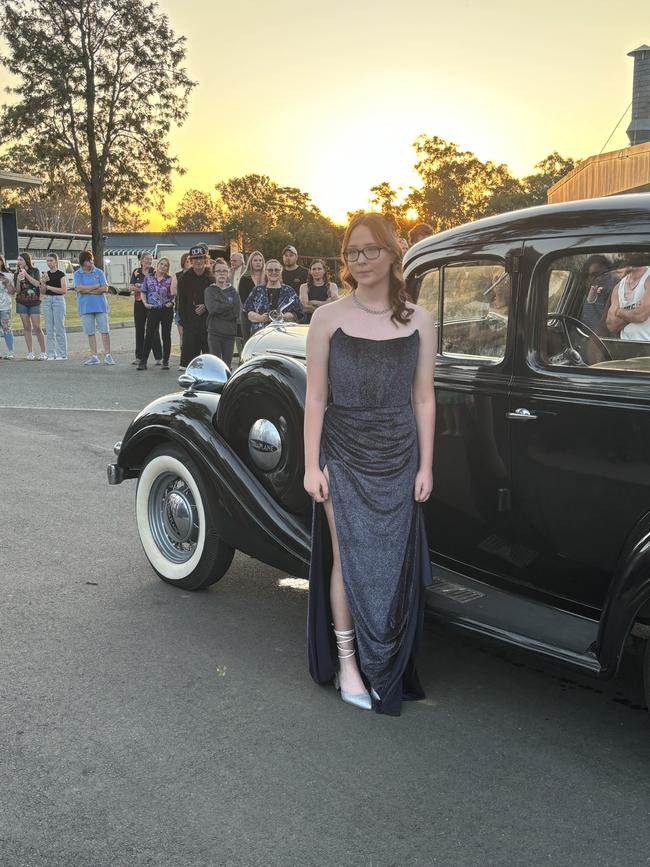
x,y
223,305
191,305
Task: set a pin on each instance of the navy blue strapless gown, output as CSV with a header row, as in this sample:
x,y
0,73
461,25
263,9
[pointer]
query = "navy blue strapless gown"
x,y
369,445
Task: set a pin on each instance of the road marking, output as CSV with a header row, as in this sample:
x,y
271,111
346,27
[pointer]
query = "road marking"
x,y
72,409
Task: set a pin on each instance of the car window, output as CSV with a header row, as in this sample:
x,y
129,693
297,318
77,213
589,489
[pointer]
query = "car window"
x,y
429,293
596,311
475,309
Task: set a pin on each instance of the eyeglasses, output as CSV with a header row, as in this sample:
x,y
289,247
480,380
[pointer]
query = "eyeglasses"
x,y
277,270
372,251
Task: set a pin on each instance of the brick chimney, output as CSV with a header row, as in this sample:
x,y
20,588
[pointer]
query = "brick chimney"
x,y
638,131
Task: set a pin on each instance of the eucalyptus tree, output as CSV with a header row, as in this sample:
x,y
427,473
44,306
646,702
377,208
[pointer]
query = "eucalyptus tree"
x,y
97,85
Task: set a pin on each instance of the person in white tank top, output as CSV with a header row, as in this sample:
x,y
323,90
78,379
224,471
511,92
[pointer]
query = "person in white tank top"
x,y
629,311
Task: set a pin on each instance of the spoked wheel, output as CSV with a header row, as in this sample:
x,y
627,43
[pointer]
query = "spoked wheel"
x,y
177,516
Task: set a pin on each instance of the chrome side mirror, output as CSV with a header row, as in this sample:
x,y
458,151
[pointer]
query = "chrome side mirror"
x,y
205,373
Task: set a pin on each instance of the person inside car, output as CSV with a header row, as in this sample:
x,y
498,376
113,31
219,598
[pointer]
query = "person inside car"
x,y
629,311
599,280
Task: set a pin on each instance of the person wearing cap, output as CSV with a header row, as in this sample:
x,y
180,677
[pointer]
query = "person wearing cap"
x,y
293,274
192,311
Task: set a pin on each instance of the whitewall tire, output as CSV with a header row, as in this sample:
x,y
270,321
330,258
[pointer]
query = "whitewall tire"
x,y
176,514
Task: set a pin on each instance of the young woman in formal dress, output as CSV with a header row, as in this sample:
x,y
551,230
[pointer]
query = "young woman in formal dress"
x,y
368,468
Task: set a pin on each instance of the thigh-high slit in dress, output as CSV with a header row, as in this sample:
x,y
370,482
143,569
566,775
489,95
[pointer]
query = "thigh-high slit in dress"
x,y
369,446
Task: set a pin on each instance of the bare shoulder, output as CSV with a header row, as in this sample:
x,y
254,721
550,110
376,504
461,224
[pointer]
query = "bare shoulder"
x,y
421,318
329,317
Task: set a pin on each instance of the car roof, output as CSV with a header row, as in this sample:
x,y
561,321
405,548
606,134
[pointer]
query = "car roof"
x,y
610,215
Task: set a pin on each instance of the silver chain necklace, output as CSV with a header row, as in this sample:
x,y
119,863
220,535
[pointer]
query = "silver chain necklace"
x,y
369,309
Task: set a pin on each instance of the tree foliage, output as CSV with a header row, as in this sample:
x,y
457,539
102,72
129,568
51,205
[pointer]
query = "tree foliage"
x,y
99,85
58,205
196,212
122,218
260,214
384,198
457,187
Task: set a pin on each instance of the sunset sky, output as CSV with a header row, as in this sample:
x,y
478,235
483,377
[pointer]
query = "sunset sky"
x,y
329,96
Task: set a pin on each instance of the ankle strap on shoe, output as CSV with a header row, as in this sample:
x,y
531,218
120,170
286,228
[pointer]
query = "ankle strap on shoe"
x,y
344,643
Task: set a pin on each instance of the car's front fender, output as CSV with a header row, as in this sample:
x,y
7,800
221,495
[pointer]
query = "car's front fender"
x,y
251,520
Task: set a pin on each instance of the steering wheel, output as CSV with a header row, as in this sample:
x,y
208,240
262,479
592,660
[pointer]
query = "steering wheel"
x,y
591,334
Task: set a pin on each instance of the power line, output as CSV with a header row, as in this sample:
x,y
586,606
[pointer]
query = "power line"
x,y
615,128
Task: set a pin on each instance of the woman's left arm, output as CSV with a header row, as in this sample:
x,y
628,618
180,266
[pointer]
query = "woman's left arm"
x,y
424,405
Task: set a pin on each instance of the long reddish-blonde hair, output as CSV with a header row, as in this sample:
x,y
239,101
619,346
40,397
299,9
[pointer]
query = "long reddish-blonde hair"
x,y
384,234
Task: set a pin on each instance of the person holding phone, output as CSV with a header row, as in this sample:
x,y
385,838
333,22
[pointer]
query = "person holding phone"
x,y
27,283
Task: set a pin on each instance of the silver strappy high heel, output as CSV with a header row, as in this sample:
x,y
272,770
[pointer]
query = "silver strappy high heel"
x,y
345,650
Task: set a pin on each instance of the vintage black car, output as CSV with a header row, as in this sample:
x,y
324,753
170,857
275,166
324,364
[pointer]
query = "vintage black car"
x,y
539,521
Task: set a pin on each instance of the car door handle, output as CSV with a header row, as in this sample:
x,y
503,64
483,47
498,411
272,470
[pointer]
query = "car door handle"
x,y
521,414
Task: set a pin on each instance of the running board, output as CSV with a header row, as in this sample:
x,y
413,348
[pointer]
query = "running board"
x,y
477,607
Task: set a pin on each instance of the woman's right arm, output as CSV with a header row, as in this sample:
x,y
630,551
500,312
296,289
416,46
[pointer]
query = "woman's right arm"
x,y
251,313
613,323
315,404
133,288
304,299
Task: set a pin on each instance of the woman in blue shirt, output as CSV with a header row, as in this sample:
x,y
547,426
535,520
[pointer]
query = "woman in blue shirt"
x,y
91,287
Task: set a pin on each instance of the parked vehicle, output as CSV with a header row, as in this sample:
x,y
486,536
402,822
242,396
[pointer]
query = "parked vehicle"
x,y
539,520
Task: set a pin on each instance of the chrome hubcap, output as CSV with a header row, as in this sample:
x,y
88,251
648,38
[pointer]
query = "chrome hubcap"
x,y
178,516
173,518
265,445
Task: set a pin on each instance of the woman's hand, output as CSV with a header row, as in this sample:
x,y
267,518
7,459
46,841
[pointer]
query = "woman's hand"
x,y
423,485
316,485
148,306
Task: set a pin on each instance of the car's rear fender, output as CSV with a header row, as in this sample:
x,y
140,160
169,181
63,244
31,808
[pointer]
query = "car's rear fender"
x,y
628,596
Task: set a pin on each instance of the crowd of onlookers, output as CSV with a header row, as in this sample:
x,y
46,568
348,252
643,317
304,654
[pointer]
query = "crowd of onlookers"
x,y
215,304
37,294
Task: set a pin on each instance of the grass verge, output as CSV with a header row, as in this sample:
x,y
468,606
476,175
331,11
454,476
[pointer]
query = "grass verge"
x,y
120,309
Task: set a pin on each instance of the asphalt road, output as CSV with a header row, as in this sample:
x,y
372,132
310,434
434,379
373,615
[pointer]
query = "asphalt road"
x,y
142,725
